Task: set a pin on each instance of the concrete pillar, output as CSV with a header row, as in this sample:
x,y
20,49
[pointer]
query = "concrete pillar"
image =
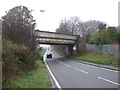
x,y
69,50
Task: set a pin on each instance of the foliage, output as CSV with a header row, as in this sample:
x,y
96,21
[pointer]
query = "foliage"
x,y
69,26
37,78
102,26
19,52
118,36
99,59
18,25
112,31
16,58
105,36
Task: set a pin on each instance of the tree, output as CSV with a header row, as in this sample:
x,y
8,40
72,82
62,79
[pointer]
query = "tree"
x,y
64,27
18,26
91,27
106,36
69,26
102,26
118,36
112,31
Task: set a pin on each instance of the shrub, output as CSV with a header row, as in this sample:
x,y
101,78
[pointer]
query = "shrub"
x,y
16,58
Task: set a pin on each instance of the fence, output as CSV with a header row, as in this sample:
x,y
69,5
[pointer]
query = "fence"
x,y
105,49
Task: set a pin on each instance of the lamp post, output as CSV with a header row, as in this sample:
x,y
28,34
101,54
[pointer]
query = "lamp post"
x,y
38,10
37,44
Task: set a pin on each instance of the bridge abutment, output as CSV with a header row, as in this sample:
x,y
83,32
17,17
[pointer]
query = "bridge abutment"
x,y
69,50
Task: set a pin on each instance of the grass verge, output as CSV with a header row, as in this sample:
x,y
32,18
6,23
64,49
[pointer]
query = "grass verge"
x,y
35,79
42,51
99,59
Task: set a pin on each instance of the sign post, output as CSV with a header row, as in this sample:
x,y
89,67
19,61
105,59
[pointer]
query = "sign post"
x,y
74,48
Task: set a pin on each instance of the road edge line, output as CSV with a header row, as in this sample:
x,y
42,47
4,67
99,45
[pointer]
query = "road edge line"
x,y
56,82
103,67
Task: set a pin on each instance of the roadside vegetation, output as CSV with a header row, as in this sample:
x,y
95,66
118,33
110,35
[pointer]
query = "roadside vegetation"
x,y
22,65
16,59
98,58
37,78
105,36
91,32
42,51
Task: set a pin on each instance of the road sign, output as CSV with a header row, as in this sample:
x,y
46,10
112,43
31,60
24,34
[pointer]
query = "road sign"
x,y
74,48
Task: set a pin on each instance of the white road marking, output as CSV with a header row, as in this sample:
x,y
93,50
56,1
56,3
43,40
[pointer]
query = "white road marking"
x,y
109,69
81,70
64,64
67,65
108,80
60,62
94,66
56,82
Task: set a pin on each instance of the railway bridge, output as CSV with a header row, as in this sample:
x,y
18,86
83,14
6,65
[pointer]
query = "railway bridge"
x,y
53,38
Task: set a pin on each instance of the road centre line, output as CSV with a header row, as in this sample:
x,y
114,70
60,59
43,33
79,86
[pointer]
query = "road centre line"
x,y
94,66
74,68
60,62
67,65
64,64
81,70
108,80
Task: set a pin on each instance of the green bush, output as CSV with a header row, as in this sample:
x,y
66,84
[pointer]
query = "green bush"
x,y
16,59
105,36
112,33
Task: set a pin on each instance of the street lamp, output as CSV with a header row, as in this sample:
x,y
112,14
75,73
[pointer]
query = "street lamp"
x,y
39,10
42,10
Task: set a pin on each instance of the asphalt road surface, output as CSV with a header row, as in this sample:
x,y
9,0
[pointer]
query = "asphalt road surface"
x,y
72,74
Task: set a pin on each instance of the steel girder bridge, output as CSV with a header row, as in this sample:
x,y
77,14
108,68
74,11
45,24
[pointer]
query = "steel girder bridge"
x,y
44,37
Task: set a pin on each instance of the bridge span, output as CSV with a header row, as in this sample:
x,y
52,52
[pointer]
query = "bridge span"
x,y
44,37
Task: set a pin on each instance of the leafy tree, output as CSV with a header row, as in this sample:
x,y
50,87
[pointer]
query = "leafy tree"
x,y
18,26
112,31
95,39
105,36
118,36
100,38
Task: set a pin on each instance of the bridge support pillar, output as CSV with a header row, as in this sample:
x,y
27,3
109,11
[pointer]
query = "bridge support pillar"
x,y
69,50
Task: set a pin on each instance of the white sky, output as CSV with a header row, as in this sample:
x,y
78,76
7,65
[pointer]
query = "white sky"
x,y
56,10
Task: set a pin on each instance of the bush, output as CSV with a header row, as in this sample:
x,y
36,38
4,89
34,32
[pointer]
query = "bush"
x,y
105,36
16,58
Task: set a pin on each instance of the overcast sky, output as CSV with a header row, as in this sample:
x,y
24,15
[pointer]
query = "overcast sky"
x,y
56,10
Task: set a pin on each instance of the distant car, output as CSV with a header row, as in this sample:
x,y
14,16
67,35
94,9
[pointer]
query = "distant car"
x,y
49,55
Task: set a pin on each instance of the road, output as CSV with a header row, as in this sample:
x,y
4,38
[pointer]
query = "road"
x,y
73,74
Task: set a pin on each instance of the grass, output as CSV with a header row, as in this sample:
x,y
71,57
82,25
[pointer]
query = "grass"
x,y
61,53
99,59
35,79
42,51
